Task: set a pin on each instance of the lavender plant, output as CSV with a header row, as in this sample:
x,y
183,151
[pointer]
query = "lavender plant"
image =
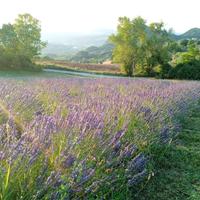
x,y
84,138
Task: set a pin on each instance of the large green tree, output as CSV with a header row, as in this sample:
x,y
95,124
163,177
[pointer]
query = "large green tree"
x,y
28,30
8,38
141,47
129,41
20,42
157,49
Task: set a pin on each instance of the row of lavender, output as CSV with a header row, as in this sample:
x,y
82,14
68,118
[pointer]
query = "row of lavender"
x,y
83,138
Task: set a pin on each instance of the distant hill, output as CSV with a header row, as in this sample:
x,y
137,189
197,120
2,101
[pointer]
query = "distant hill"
x,y
59,49
78,40
193,33
66,45
94,54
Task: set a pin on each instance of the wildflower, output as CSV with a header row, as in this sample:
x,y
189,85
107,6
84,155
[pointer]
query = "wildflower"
x,y
69,161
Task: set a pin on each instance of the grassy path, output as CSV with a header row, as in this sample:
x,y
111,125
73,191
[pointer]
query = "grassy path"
x,y
178,168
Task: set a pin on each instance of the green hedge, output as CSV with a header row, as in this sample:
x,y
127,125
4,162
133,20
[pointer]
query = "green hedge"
x,y
189,70
16,62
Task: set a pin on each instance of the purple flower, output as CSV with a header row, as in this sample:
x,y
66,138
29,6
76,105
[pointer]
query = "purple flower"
x,y
69,161
137,164
138,178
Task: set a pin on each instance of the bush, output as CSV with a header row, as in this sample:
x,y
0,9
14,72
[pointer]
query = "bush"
x,y
189,70
162,71
165,68
9,61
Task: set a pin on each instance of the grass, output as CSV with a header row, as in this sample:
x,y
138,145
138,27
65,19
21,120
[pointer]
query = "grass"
x,y
177,168
29,74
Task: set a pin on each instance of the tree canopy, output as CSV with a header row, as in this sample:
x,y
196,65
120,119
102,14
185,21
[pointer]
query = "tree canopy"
x,y
139,46
20,42
129,42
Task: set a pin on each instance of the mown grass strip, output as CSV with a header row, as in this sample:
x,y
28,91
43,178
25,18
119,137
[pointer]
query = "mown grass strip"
x,y
178,169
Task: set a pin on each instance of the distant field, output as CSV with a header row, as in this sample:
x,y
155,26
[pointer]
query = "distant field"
x,y
96,68
80,138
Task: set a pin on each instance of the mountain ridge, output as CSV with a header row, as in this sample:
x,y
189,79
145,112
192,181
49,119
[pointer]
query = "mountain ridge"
x,y
193,33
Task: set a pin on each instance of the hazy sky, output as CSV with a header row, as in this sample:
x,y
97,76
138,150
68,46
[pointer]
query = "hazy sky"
x,y
89,15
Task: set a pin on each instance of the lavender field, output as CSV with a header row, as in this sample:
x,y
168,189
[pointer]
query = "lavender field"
x,y
78,138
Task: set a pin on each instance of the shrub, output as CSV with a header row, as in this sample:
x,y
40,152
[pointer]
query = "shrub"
x,y
9,61
162,71
189,70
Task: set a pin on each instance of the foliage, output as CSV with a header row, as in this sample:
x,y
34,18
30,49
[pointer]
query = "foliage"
x,y
187,70
140,46
157,48
189,52
20,43
162,71
186,62
28,31
129,43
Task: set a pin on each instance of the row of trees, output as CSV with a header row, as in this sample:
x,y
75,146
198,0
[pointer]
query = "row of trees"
x,y
20,42
149,50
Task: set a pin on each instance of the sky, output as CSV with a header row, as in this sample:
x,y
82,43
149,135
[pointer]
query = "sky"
x,y
87,16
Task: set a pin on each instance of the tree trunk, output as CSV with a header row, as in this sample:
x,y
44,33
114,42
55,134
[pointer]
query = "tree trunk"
x,y
133,68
